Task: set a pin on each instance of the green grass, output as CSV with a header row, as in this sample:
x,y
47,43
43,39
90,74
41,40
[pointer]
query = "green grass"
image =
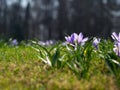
x,y
21,69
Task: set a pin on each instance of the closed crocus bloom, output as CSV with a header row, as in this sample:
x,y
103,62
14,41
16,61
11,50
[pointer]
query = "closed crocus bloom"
x,y
68,39
96,41
46,43
82,40
116,37
49,42
116,49
14,42
41,43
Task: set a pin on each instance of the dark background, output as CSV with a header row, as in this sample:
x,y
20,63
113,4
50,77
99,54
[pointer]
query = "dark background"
x,y
53,19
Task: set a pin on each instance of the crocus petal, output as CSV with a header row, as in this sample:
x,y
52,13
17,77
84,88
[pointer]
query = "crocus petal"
x,y
80,37
74,37
119,49
68,39
85,39
119,37
114,36
96,42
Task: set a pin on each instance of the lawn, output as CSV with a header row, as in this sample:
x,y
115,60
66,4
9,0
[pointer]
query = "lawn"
x,y
59,66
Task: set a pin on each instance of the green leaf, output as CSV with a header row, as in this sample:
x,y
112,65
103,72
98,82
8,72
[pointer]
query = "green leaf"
x,y
55,57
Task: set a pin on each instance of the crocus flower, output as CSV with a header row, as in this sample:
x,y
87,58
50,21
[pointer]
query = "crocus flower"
x,y
116,37
116,49
49,42
14,42
82,40
46,43
41,43
76,39
72,39
95,43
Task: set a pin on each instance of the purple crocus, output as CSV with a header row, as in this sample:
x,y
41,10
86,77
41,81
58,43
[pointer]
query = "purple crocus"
x,y
95,43
72,39
81,40
75,39
14,42
116,37
116,49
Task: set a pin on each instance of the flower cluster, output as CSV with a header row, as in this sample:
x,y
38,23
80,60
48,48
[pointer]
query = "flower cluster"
x,y
76,39
116,38
46,43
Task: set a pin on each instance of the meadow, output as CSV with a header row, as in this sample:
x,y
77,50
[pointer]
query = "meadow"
x,y
76,64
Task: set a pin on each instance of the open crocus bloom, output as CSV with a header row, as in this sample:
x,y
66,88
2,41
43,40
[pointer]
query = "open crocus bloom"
x,y
76,39
116,37
96,41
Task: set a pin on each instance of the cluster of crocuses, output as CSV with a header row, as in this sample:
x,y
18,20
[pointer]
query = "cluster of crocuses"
x,y
116,39
76,39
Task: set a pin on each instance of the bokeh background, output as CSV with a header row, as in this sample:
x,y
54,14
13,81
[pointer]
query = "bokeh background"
x,y
53,19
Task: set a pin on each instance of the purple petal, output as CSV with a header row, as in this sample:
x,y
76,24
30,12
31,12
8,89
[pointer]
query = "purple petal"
x,y
85,39
96,42
74,37
119,37
15,42
114,36
80,37
68,39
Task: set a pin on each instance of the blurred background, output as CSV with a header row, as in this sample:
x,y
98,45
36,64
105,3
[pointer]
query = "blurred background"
x,y
53,19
